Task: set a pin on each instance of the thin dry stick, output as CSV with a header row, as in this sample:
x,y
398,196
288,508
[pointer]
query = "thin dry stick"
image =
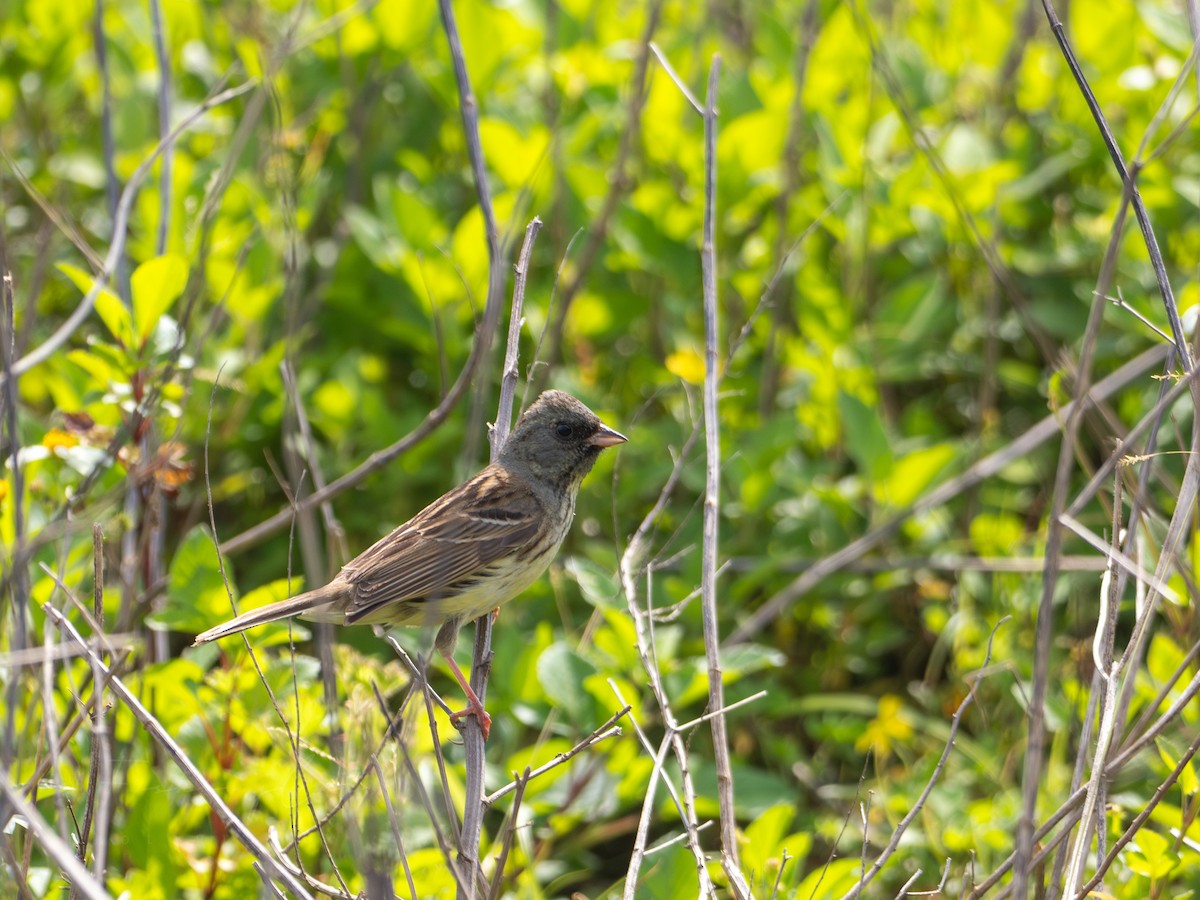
x,y
164,125
19,588
265,862
643,829
1069,808
510,834
298,460
712,497
99,807
1108,672
281,857
56,848
1119,561
511,372
605,731
1129,179
116,249
955,722
393,820
1141,818
293,736
685,806
991,464
473,803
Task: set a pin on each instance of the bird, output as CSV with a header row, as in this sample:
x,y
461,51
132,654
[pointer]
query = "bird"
x,y
470,551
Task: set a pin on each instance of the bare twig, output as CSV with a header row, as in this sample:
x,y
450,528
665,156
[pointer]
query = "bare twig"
x,y
265,863
712,455
991,464
1141,818
19,586
99,805
1108,672
510,833
116,249
281,857
473,807
164,124
56,848
955,722
679,82
605,731
1129,179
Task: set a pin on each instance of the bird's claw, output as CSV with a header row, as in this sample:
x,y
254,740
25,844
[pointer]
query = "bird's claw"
x,y
480,714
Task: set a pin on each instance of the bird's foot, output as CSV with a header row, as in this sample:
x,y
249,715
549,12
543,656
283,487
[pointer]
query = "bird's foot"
x,y
474,704
474,708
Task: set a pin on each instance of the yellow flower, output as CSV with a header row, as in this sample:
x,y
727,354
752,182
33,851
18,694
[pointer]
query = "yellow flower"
x,y
55,438
688,365
887,729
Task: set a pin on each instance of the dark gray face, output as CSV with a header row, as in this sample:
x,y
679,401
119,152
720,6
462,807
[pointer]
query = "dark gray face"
x,y
557,440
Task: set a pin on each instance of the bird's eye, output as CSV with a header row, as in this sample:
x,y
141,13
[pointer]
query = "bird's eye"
x,y
563,429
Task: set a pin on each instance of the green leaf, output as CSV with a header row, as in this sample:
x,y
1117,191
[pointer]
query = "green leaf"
x,y
864,437
829,881
913,473
156,284
113,313
196,593
763,836
996,534
1189,783
561,672
1153,856
742,659
598,585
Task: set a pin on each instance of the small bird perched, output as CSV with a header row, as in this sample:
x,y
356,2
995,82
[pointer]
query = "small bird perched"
x,y
476,547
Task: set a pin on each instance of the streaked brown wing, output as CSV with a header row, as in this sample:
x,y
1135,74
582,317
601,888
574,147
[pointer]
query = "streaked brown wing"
x,y
460,534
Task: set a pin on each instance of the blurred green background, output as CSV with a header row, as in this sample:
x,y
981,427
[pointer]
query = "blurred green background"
x,y
913,207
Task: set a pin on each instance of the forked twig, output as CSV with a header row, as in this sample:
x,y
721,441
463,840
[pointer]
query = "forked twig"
x,y
264,861
955,722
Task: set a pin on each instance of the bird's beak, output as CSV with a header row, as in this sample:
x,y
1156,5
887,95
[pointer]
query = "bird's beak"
x,y
606,437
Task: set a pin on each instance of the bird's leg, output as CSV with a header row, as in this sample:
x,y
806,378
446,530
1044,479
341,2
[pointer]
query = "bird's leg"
x,y
474,704
495,615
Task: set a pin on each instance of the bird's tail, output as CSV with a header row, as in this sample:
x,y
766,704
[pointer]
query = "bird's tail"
x,y
320,604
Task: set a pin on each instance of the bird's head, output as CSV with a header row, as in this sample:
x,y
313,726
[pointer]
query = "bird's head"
x,y
557,440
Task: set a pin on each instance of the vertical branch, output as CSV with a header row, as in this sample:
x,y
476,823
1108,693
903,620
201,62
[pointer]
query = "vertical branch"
x,y
99,805
1129,179
106,136
154,537
712,509
481,657
508,377
1108,672
19,583
164,126
473,805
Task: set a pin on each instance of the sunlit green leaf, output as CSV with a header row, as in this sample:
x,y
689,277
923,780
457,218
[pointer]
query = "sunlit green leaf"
x,y
156,284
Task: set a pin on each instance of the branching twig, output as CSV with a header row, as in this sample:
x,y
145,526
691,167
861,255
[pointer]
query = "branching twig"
x,y
265,862
605,731
712,456
955,722
990,465
116,249
56,848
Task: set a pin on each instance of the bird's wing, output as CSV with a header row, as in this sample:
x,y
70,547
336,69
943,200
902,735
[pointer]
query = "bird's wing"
x,y
456,537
